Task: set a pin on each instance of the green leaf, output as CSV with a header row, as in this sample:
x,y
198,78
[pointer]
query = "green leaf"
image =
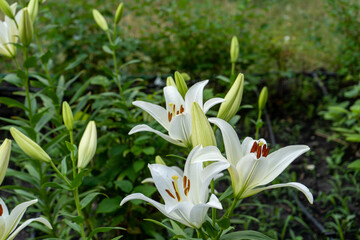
x,y
144,189
149,151
210,230
76,182
248,234
12,103
71,147
56,185
109,205
160,224
63,166
46,56
100,80
74,226
355,164
224,223
103,229
227,193
13,79
77,61
138,165
124,185
88,199
30,62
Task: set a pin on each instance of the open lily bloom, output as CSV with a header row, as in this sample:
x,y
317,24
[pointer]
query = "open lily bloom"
x,y
251,165
176,118
9,222
186,194
9,33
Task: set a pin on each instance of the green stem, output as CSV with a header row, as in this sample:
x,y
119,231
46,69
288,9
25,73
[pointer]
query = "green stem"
x,y
232,69
26,81
213,210
72,155
228,213
60,174
78,208
201,234
258,125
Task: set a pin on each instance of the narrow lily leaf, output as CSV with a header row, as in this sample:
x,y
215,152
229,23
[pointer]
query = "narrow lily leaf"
x,y
248,234
103,229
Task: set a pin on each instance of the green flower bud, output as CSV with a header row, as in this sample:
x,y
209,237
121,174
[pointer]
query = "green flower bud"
x,y
5,8
119,13
233,98
180,84
5,150
263,98
29,147
33,9
26,30
234,49
186,77
100,20
87,146
170,82
159,160
67,116
201,131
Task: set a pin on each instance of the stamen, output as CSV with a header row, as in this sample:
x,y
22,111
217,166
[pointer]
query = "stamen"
x,y
169,116
1,210
184,181
172,108
254,147
177,112
258,153
175,185
170,194
182,109
266,151
187,189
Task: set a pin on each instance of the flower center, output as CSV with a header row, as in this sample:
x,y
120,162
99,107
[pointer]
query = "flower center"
x,y
260,149
173,112
186,187
1,210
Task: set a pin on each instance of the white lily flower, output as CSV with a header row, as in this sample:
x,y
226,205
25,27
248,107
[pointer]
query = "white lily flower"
x,y
9,222
9,33
176,118
251,165
186,194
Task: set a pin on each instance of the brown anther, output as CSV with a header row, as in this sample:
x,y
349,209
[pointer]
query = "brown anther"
x,y
177,112
258,153
1,210
184,181
173,108
170,194
182,109
178,196
254,147
169,116
266,152
186,191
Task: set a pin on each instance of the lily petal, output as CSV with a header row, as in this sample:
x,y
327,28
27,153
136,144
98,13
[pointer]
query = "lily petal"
x,y
180,128
231,140
212,102
274,164
157,112
16,214
195,94
298,186
159,206
198,212
5,209
172,96
146,128
26,223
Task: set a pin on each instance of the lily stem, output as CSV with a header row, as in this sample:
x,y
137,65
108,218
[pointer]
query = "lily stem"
x,y
258,126
26,83
78,208
228,213
213,210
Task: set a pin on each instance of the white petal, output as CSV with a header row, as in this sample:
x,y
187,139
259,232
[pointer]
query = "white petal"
x,y
210,153
199,211
159,206
173,97
231,140
157,112
5,209
180,128
40,219
16,214
212,102
2,228
145,128
298,186
195,94
276,162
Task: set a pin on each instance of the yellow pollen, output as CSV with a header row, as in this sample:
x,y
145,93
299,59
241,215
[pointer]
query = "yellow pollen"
x,y
172,107
176,188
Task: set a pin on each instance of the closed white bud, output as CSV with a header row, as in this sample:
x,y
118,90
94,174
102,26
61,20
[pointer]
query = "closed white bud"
x,y
5,150
100,20
87,146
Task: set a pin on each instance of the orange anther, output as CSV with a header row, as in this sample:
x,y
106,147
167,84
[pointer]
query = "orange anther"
x,y
169,116
258,153
170,194
1,210
182,109
177,112
254,147
184,181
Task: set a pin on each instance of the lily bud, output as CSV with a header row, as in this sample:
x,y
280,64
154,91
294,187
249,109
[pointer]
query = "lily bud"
x,y
29,147
26,30
87,146
233,98
170,82
67,116
5,8
185,76
5,150
180,84
100,20
33,9
119,13
201,132
263,98
234,49
159,160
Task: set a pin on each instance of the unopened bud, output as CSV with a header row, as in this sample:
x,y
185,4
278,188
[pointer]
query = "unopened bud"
x,y
67,116
29,147
26,30
87,146
100,20
186,77
5,8
5,150
234,49
33,9
263,98
201,132
233,98
159,160
180,84
119,13
170,82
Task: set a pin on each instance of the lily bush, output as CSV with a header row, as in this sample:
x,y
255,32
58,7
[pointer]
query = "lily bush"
x,y
85,157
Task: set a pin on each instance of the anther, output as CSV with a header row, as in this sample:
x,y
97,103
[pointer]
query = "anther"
x,y
184,181
254,147
170,194
182,109
175,185
169,116
1,210
258,153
